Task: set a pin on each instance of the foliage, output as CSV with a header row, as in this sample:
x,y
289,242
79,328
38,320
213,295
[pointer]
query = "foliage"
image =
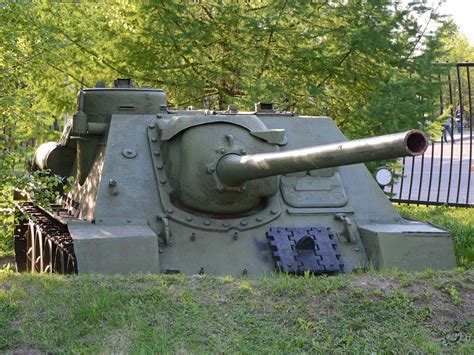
x,y
457,45
365,63
457,49
434,128
41,186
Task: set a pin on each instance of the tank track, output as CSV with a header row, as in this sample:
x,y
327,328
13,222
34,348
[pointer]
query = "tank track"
x,y
303,249
42,243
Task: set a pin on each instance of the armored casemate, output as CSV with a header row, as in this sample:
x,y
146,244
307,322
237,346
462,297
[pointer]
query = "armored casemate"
x,y
226,192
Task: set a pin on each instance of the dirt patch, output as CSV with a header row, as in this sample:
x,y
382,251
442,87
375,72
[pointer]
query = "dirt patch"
x,y
448,312
117,341
374,282
322,308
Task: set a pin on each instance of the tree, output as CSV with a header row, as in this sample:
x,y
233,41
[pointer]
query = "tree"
x,y
457,47
453,75
365,63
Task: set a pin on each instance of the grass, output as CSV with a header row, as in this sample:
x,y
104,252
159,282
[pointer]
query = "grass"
x,y
150,313
6,232
383,312
459,220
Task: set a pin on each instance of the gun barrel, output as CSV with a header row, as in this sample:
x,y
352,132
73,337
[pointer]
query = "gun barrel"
x,y
234,170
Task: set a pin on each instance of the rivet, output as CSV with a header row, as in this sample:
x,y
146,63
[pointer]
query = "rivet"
x,y
212,169
242,188
129,153
223,150
112,182
154,139
158,116
235,236
156,153
243,151
161,251
357,249
170,210
274,211
207,222
159,166
259,219
193,236
151,125
189,218
129,220
162,181
220,188
243,222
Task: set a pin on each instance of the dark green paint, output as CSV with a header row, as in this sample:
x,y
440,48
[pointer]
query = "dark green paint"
x,y
158,191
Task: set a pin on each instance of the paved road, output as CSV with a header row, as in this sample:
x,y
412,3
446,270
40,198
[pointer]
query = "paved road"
x,y
436,177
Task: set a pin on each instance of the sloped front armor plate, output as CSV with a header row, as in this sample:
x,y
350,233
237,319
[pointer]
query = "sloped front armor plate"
x,y
297,250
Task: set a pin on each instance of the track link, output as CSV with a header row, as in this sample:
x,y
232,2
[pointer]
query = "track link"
x,y
42,243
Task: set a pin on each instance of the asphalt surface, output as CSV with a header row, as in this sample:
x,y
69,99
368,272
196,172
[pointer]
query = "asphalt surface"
x,y
444,174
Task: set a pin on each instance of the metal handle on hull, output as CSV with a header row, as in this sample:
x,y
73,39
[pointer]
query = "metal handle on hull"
x,y
234,170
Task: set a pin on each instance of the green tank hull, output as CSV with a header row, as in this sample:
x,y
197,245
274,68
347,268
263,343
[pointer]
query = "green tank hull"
x,y
160,191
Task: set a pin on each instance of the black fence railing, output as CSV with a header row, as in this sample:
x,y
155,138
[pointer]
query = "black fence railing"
x,y
444,175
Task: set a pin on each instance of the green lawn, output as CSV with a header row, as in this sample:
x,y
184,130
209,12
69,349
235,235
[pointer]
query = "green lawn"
x,y
424,312
370,312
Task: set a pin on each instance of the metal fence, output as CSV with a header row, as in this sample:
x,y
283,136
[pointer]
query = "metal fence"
x,y
443,175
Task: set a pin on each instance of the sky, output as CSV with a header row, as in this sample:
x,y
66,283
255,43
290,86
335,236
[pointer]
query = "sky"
x,y
462,12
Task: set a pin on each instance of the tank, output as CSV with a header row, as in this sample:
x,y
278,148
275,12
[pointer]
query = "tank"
x,y
220,192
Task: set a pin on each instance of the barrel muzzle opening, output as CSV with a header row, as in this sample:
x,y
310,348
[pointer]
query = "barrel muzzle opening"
x,y
416,142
